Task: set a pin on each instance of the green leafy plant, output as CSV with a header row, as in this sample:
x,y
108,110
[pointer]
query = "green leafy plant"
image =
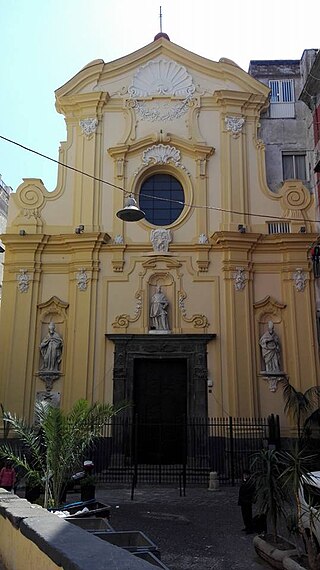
x,y
300,405
297,463
53,448
271,494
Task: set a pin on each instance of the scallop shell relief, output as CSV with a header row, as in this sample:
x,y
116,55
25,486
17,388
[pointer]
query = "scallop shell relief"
x,y
159,79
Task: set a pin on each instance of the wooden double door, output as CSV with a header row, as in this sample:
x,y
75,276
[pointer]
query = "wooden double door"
x,y
160,406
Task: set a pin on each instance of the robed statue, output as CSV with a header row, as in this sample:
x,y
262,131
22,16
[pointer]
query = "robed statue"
x,y
270,347
51,350
158,310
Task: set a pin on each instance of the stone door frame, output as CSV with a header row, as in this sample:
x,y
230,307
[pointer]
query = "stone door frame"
x,y
192,347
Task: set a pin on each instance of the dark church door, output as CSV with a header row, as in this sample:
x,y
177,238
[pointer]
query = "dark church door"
x,y
160,400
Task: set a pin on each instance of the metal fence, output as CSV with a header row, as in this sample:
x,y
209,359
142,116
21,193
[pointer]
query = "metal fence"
x,y
134,451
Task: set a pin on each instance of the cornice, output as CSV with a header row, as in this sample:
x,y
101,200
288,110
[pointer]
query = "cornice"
x,y
83,104
198,149
244,100
17,243
235,240
98,70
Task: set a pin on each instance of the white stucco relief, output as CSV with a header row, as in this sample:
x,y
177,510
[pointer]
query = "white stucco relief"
x,y
160,239
88,126
161,79
23,281
240,279
82,279
300,279
162,154
234,125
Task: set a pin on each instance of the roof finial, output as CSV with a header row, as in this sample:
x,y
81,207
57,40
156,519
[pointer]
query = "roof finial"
x,y
161,34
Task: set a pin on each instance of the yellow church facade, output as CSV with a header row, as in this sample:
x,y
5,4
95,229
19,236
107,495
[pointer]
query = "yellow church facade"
x,y
173,307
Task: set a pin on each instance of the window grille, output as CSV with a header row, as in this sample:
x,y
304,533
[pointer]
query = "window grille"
x,y
282,98
282,90
279,228
167,210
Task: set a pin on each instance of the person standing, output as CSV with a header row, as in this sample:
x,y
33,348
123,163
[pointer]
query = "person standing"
x,y
7,476
245,501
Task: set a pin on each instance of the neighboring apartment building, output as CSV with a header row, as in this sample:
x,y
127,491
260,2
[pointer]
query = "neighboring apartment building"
x,y
285,125
310,95
171,312
4,201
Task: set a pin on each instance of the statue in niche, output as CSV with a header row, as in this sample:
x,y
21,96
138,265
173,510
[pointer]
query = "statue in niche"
x,y
158,311
270,347
51,350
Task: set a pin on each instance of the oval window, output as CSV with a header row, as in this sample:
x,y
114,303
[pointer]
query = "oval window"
x,y
166,210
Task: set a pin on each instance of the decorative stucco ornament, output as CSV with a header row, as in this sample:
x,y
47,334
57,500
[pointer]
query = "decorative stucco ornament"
x,y
123,321
23,281
239,279
234,124
160,239
118,240
300,279
161,78
162,154
88,126
203,239
161,110
198,321
82,280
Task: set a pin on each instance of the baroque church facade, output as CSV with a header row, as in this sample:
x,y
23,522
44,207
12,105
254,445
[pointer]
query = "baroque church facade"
x,y
167,312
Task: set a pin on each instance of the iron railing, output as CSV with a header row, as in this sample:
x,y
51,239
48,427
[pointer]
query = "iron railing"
x,y
134,451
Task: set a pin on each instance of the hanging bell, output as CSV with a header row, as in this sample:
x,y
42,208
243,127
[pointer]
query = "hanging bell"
x,y
130,212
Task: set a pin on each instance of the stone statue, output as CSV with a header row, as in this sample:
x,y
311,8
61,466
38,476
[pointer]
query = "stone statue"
x,y
51,350
270,346
158,312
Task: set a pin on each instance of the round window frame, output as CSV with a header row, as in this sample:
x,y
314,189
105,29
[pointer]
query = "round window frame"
x,y
182,178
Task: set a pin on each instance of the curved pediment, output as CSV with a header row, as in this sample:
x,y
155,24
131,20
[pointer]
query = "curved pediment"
x,y
142,63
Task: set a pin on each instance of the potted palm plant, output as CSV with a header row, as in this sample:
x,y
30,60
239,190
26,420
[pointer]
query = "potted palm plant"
x,y
52,448
296,476
272,501
300,405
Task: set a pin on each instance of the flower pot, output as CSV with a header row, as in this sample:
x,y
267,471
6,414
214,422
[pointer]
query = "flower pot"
x,y
272,552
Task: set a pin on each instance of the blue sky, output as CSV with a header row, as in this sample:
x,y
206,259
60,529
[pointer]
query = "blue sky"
x,y
45,42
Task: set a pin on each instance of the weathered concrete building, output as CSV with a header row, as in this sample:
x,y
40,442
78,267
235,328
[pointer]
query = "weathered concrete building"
x,y
285,125
167,312
310,95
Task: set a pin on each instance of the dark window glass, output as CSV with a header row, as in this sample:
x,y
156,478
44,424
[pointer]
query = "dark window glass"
x,y
161,212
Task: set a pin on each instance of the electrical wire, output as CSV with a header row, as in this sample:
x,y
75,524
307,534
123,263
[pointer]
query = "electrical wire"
x,y
126,192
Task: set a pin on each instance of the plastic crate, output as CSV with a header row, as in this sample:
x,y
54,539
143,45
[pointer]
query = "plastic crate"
x,y
95,509
130,540
91,524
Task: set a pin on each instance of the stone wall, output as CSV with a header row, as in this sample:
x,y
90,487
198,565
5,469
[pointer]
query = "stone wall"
x,y
32,537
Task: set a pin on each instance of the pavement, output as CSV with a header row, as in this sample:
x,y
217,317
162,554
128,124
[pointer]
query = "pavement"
x,y
199,531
